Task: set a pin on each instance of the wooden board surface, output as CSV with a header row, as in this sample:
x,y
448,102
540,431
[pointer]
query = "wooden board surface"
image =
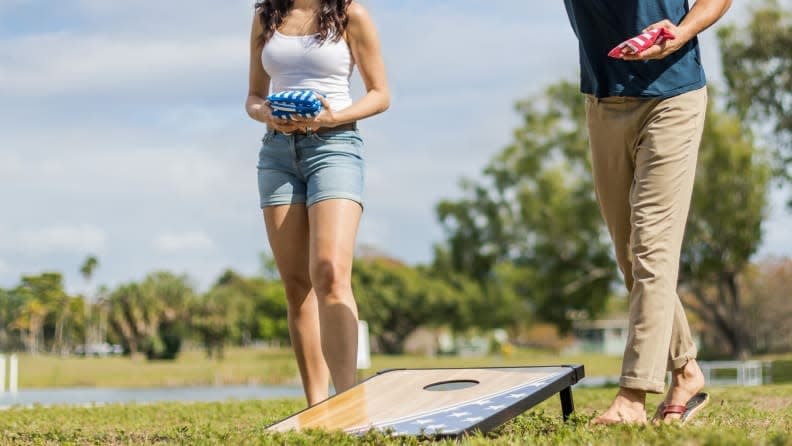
x,y
398,401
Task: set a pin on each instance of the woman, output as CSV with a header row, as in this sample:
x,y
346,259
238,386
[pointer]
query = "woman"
x,y
311,171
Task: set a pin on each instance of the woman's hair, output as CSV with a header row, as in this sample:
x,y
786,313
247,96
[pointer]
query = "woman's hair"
x,y
332,18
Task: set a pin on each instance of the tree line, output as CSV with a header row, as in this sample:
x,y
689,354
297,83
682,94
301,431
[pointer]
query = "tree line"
x,y
154,317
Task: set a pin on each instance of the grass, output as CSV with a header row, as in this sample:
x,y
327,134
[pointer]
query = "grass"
x,y
739,416
241,366
249,366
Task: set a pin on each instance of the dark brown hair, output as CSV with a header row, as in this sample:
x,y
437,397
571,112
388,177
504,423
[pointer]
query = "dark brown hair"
x,y
332,18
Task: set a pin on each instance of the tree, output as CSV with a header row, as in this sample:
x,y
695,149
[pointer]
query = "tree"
x,y
93,333
88,267
531,226
724,228
60,310
174,293
128,317
270,312
8,307
42,299
757,64
481,306
214,318
395,299
150,317
239,309
263,306
766,287
30,321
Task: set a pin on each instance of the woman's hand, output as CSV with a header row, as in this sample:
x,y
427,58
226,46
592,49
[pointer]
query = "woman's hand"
x,y
666,47
263,113
326,117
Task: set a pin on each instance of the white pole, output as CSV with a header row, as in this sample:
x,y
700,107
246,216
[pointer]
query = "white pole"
x,y
13,375
363,350
2,374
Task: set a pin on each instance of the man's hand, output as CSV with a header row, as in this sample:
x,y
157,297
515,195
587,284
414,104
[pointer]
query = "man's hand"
x,y
702,15
666,47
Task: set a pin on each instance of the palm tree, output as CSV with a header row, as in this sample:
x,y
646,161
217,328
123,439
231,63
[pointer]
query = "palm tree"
x,y
149,317
30,321
5,314
44,301
87,269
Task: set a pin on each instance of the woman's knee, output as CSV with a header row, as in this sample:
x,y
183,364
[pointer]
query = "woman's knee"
x,y
331,277
297,287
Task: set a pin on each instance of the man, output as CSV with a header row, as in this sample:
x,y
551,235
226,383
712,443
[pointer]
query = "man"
x,y
645,113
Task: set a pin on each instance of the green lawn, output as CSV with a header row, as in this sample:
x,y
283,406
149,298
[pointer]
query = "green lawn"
x,y
249,366
739,416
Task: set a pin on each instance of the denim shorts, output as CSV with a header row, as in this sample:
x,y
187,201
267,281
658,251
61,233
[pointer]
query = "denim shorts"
x,y
310,168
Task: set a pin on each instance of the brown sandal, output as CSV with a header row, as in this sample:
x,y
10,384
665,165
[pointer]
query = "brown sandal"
x,y
671,409
686,412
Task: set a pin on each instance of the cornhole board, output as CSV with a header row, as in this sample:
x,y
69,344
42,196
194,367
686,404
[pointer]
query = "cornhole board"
x,y
438,402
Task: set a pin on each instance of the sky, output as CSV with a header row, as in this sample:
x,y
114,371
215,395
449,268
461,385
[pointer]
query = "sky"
x,y
123,132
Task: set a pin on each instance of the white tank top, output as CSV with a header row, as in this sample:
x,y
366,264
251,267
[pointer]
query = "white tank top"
x,y
300,62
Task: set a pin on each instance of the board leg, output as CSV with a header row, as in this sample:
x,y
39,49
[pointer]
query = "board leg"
x,y
567,403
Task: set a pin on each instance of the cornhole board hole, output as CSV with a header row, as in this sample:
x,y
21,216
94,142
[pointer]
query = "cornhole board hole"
x,y
438,402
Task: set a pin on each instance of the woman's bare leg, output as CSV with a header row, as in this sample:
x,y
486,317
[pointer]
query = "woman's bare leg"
x,y
334,224
287,230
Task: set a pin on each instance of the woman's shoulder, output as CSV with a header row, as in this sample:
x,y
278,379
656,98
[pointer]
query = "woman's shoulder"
x,y
356,13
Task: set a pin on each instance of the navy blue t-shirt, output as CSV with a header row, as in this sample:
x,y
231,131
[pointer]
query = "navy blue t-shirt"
x,y
600,25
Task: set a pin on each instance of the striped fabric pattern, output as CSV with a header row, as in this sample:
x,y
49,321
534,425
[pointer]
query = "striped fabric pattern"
x,y
292,103
640,43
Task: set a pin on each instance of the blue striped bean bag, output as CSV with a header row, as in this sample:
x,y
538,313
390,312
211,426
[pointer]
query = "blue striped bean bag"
x,y
291,103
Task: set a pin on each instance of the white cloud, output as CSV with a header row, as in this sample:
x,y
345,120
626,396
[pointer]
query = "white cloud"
x,y
186,241
172,17
476,52
10,164
141,168
83,238
104,63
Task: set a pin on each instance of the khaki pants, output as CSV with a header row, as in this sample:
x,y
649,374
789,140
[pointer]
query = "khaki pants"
x,y
644,155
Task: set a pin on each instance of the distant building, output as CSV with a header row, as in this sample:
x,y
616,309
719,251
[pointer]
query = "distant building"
x,y
607,336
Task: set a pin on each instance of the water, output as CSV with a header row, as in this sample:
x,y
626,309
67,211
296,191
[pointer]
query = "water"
x,y
88,396
77,396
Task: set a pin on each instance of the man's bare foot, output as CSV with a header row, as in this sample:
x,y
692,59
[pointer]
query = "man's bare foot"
x,y
627,408
686,382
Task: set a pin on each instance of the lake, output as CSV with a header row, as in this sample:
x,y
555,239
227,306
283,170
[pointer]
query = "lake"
x,y
87,396
79,396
